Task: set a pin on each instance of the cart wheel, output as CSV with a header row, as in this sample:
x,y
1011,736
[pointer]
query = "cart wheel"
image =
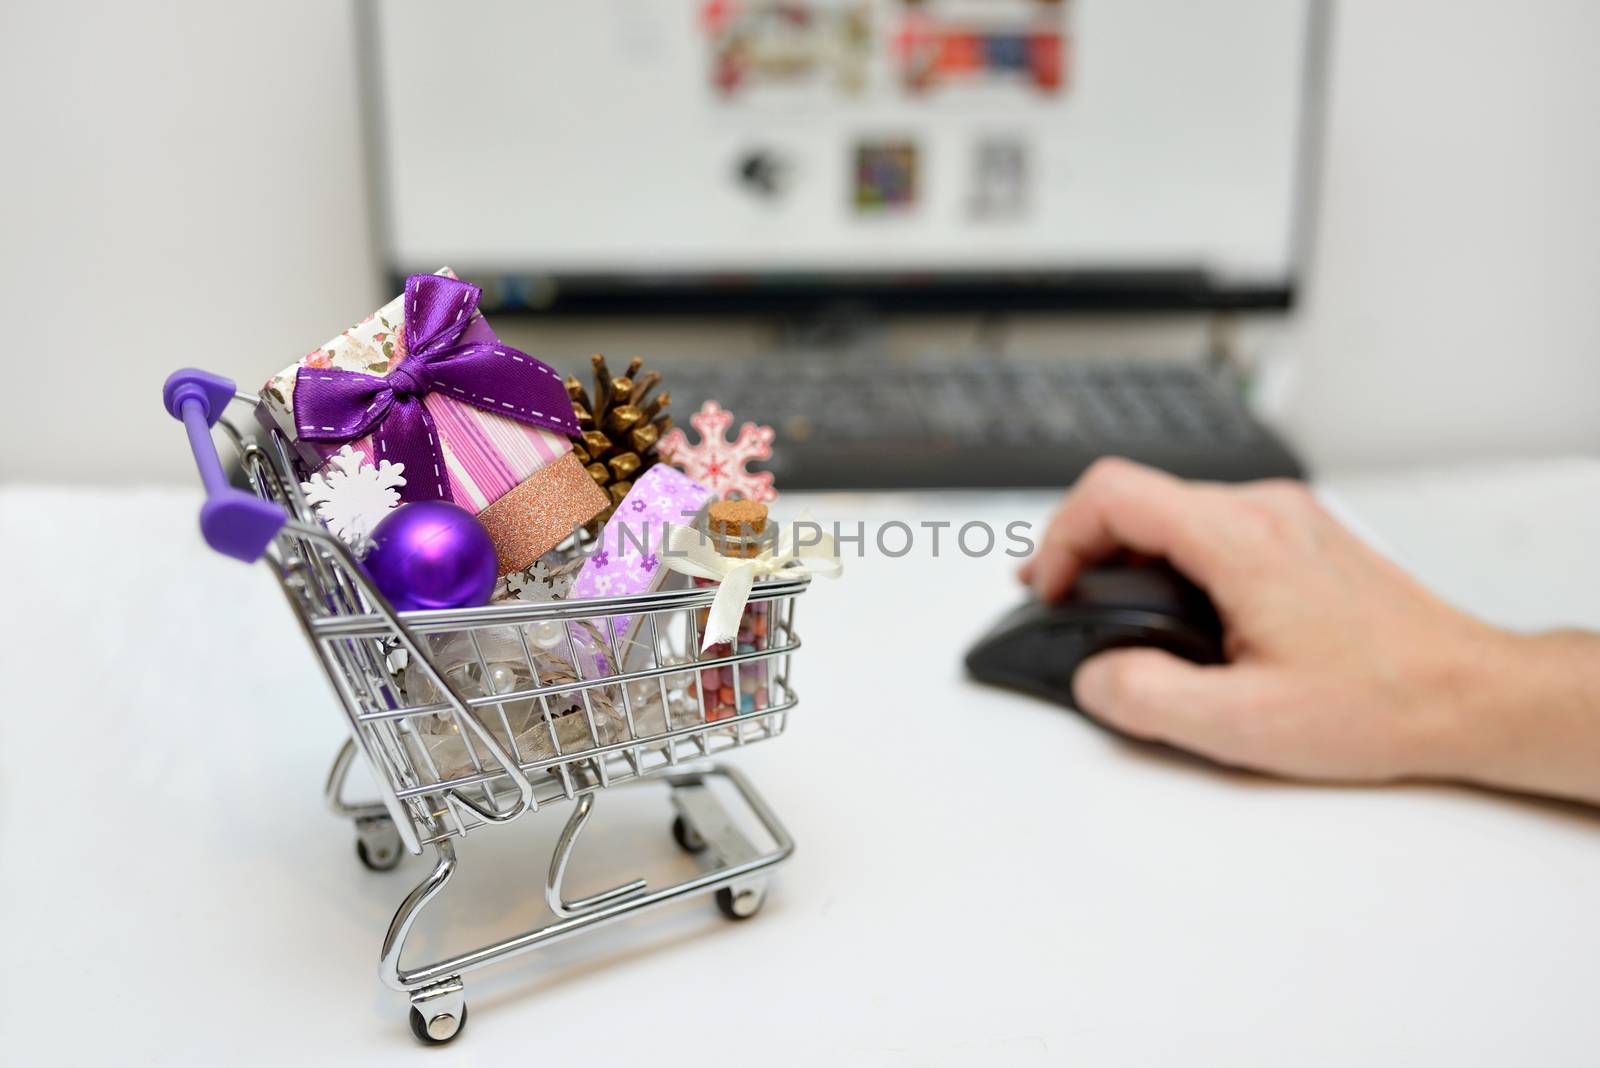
x,y
687,837
385,857
378,844
740,904
440,1029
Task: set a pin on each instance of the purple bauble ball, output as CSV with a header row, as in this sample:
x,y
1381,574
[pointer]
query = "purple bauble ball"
x,y
430,554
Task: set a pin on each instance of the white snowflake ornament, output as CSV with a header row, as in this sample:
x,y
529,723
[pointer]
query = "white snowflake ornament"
x,y
541,582
718,464
350,495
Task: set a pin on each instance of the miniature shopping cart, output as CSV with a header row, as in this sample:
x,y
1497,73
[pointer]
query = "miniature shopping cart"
x,y
470,718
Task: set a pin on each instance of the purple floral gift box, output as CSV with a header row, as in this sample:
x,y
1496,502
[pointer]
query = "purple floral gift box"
x,y
627,559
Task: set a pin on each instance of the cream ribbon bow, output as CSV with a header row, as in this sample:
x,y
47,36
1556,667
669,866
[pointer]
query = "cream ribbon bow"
x,y
690,552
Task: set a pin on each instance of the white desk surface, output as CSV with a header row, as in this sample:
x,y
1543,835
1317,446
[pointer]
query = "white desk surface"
x,y
980,878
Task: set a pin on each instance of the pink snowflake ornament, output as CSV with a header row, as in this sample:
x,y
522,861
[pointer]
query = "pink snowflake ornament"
x,y
718,464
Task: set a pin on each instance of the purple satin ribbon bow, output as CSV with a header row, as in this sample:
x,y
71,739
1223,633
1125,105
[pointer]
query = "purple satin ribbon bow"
x,y
337,406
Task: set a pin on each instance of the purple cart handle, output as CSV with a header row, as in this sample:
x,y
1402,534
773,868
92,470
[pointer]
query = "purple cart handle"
x,y
233,522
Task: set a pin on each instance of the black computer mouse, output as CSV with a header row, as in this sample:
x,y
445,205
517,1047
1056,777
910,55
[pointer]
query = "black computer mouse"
x,y
1038,646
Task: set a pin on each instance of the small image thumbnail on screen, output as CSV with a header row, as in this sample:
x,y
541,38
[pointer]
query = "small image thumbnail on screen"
x,y
945,43
756,43
885,176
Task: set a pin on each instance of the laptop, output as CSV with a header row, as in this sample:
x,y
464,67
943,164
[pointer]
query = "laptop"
x,y
836,167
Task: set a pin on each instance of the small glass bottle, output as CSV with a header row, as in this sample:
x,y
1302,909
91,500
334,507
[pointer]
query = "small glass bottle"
x,y
736,529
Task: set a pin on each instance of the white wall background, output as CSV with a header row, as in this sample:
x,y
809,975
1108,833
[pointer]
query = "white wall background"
x,y
183,184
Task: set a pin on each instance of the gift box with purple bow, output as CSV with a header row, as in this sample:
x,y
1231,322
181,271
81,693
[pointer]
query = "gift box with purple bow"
x,y
424,382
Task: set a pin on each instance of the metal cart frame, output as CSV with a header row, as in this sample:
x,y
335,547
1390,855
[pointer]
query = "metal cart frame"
x,y
444,753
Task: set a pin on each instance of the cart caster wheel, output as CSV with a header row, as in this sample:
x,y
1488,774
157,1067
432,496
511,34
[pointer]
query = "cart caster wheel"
x,y
440,1029
688,839
378,844
380,858
740,904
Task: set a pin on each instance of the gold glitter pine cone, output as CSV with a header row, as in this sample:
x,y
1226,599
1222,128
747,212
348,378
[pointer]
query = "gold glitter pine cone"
x,y
621,424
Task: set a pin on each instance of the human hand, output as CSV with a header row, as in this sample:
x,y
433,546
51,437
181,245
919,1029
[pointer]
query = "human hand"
x,y
1340,666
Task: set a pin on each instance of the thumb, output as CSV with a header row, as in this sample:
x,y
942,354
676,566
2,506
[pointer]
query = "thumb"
x,y
1150,693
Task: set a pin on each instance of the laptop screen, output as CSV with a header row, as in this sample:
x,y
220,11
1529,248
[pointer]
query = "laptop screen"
x,y
664,142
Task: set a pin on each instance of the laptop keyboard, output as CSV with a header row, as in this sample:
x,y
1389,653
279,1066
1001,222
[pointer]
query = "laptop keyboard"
x,y
862,425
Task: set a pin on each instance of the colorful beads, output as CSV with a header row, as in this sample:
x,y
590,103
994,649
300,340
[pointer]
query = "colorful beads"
x,y
740,689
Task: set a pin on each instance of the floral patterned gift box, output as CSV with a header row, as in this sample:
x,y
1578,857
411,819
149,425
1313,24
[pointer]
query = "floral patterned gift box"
x,y
626,558
516,472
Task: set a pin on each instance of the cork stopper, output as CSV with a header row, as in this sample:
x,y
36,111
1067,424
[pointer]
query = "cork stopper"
x,y
737,517
736,526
